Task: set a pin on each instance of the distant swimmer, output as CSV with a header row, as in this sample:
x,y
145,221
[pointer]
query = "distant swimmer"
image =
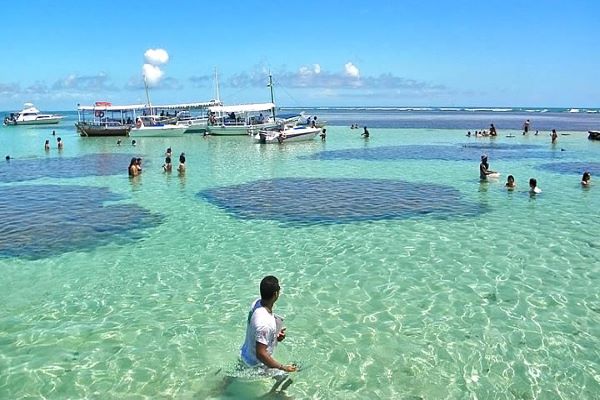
x,y
510,182
118,142
469,134
60,143
586,179
533,188
365,133
47,145
554,136
133,142
484,168
167,166
525,127
181,167
323,134
493,130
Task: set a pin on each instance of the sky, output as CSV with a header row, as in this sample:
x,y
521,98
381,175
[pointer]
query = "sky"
x,y
58,54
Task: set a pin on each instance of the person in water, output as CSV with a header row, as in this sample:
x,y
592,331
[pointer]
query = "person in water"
x,y
493,130
133,168
533,188
181,167
365,133
59,143
510,182
554,136
47,145
586,179
167,166
484,168
264,330
525,127
138,163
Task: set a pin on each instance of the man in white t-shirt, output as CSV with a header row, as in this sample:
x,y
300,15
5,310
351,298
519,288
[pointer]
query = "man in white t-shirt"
x,y
263,331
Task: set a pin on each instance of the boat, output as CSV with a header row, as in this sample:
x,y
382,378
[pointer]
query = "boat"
x,y
152,126
238,120
30,115
104,119
192,116
594,135
287,133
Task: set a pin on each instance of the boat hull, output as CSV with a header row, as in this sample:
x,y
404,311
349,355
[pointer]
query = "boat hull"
x,y
236,130
288,135
44,121
161,131
88,130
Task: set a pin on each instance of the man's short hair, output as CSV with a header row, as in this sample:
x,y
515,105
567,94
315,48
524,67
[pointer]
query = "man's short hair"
x,y
268,287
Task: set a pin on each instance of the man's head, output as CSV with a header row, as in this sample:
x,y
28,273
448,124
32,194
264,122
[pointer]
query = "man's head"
x,y
269,287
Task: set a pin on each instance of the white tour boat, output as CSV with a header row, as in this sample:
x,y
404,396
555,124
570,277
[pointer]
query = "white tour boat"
x,y
31,116
150,126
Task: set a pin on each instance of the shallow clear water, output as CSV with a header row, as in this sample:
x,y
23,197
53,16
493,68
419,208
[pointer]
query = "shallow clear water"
x,y
449,288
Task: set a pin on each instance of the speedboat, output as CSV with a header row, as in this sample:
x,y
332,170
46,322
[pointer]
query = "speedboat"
x,y
151,126
31,116
287,134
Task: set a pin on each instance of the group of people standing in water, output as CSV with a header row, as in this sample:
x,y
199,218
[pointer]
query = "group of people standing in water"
x,y
135,166
485,172
526,126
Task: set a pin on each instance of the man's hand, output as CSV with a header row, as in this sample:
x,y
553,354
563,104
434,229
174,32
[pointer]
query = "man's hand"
x,y
281,335
289,368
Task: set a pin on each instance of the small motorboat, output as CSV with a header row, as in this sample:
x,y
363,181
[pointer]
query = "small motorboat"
x,y
287,134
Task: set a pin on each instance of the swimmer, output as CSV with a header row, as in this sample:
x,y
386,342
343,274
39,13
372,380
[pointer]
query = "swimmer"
x,y
60,143
533,188
586,179
554,136
167,166
133,169
323,134
365,133
168,152
181,167
133,142
484,170
138,163
47,145
510,182
118,142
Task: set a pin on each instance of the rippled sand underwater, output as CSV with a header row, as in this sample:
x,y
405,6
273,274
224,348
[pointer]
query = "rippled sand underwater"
x,y
403,276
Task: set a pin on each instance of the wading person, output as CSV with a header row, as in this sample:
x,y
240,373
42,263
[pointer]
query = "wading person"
x,y
262,334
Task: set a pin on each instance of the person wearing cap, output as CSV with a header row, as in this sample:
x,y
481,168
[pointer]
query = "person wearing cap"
x,y
484,170
263,331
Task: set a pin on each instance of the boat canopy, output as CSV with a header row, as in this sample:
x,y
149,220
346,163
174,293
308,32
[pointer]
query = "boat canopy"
x,y
113,108
188,106
243,108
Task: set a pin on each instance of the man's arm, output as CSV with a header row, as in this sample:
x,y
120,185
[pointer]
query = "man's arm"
x,y
263,355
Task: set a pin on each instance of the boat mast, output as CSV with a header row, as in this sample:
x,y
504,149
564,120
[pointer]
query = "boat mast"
x,y
272,98
218,97
147,95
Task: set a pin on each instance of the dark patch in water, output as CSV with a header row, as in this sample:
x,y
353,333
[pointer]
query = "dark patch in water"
x,y
575,167
310,201
19,170
467,152
39,221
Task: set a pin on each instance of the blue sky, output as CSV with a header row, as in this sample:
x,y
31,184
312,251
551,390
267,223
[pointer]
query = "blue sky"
x,y
321,53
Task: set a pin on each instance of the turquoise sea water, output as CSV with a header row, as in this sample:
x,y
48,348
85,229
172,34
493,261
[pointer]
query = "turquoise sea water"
x,y
403,276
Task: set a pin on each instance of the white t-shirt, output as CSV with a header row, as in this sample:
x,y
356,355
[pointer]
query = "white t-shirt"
x,y
261,328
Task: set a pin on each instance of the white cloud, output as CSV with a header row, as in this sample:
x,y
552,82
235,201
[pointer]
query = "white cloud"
x,y
317,69
351,70
156,56
152,73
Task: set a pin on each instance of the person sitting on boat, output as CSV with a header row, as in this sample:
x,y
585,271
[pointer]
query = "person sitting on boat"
x,y
212,119
313,123
261,118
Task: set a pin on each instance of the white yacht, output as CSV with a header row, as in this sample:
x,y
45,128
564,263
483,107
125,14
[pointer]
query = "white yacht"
x,y
31,116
